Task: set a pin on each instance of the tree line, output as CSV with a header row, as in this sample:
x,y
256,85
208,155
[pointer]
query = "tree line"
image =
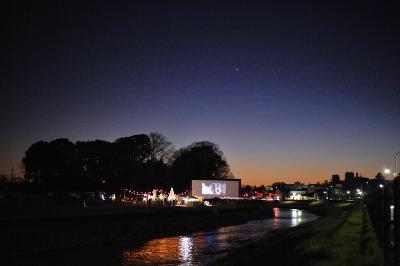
x,y
142,162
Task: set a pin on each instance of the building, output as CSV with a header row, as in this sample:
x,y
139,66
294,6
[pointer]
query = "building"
x,y
300,195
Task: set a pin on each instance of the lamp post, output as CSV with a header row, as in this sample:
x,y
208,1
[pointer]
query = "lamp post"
x,y
386,199
387,173
395,163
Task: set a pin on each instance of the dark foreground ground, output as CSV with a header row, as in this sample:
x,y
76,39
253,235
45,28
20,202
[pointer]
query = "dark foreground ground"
x,y
342,236
35,228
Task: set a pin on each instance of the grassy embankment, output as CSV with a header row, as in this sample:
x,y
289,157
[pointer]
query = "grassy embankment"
x,y
342,236
60,227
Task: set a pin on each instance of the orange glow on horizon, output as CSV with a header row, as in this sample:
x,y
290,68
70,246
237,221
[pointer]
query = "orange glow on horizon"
x,y
259,175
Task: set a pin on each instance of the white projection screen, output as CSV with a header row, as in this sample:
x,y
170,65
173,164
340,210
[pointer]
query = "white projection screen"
x,y
219,188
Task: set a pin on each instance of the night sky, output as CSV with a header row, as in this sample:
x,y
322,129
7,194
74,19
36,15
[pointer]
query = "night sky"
x,y
289,91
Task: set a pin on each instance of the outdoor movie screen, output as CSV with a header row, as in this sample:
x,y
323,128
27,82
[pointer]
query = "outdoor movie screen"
x,y
216,188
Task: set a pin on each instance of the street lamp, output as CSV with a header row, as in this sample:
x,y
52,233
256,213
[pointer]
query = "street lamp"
x,y
388,173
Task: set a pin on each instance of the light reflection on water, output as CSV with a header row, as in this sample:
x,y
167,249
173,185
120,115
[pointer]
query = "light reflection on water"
x,y
185,248
296,217
167,251
193,249
204,247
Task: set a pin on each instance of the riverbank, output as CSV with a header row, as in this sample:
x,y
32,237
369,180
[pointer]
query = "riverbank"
x,y
33,235
342,236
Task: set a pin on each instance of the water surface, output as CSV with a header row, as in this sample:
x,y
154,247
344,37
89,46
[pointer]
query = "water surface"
x,y
192,249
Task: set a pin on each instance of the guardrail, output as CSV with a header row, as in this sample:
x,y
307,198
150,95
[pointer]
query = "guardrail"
x,y
384,208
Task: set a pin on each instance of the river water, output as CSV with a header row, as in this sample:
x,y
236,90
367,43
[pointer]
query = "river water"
x,y
193,249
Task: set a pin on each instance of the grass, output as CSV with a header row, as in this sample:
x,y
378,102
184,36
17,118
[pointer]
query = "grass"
x,y
349,242
342,236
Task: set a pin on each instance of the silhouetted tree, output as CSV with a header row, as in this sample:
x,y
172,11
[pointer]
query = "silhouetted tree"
x,y
130,155
157,175
138,161
200,160
61,163
278,185
160,148
50,164
36,162
95,165
379,175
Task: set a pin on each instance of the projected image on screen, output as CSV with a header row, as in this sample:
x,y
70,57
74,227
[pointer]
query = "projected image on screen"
x,y
218,189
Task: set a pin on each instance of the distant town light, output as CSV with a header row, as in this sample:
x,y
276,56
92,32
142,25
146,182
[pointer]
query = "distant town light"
x,y
386,171
380,185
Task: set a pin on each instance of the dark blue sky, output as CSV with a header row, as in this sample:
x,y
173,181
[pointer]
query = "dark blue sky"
x,y
290,91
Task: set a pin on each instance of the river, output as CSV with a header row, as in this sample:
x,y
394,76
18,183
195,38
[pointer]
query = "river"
x,y
193,249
